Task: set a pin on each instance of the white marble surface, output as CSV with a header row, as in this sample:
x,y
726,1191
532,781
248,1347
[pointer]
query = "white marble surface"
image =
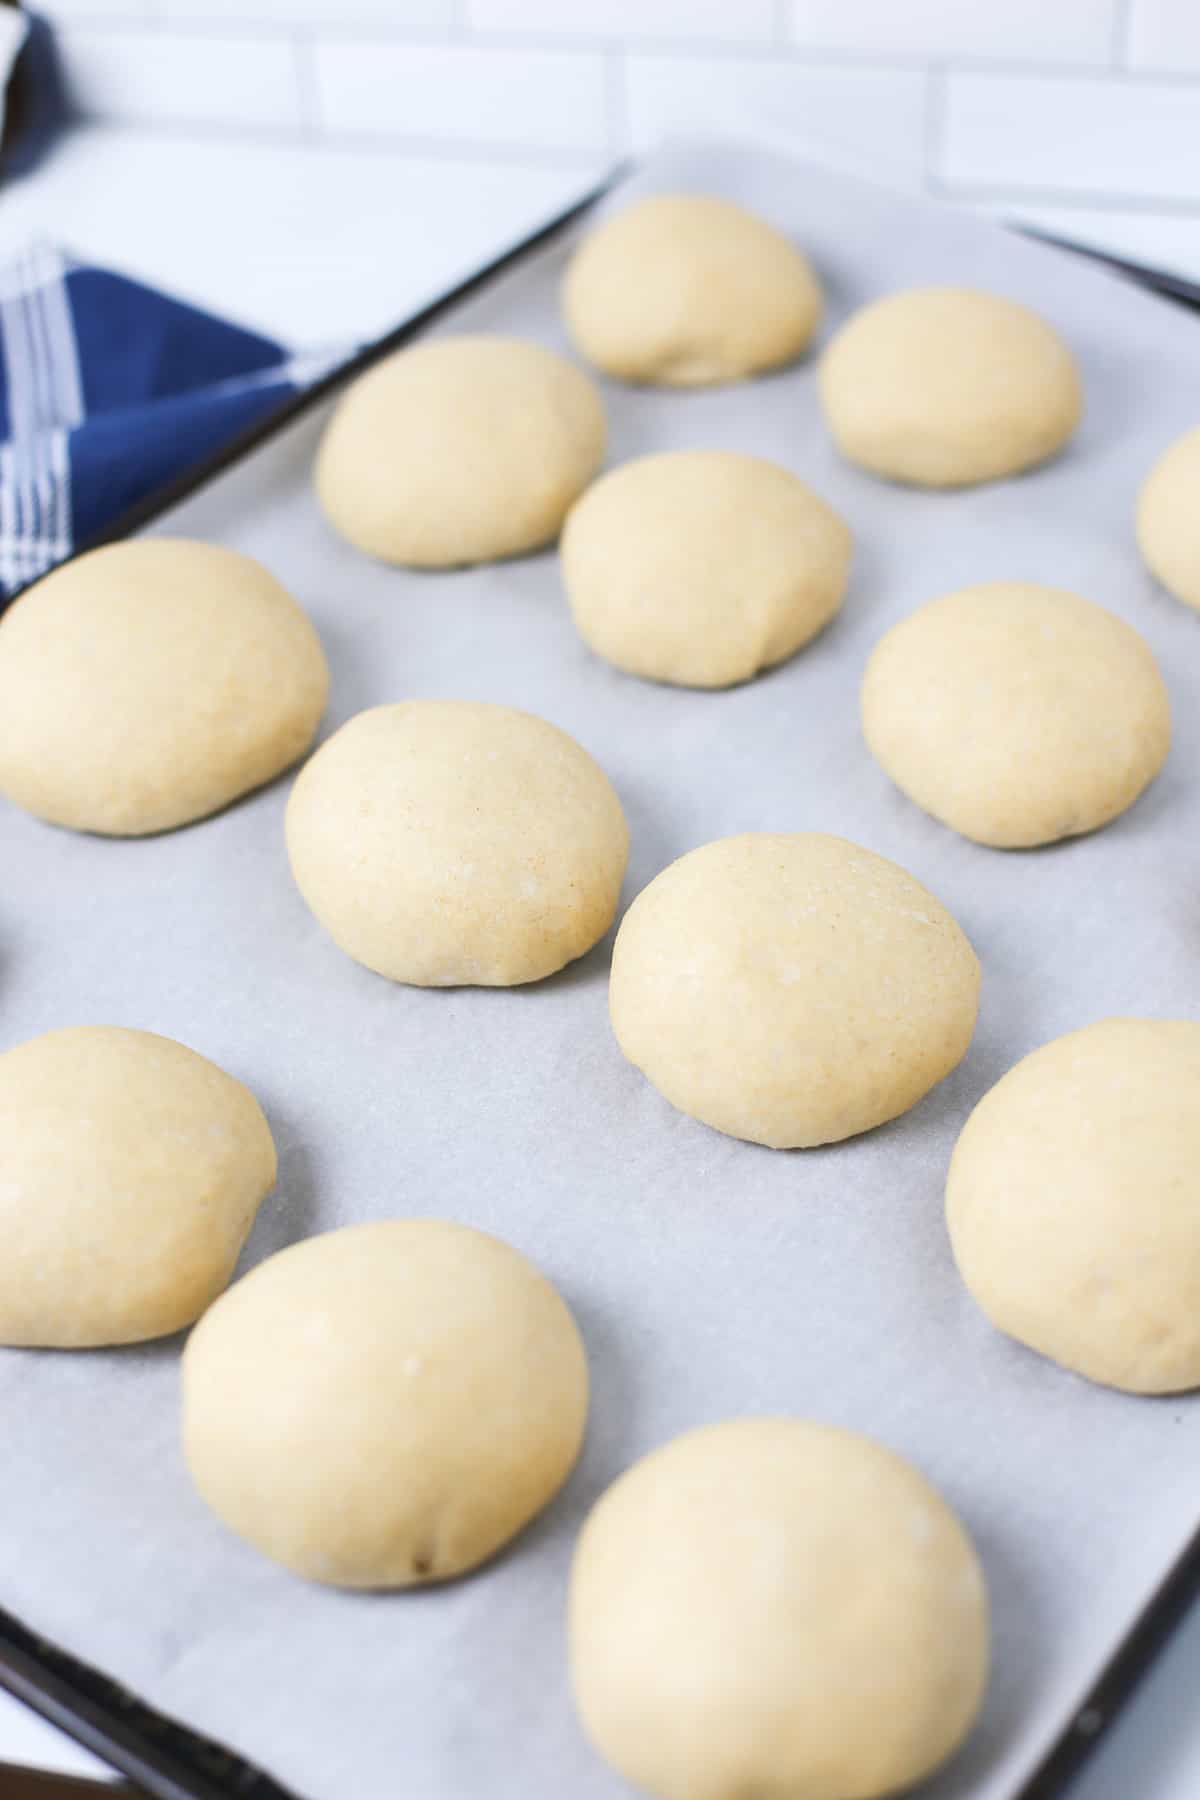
x,y
327,244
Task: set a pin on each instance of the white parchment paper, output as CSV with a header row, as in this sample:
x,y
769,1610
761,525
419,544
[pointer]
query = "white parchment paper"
x,y
710,1277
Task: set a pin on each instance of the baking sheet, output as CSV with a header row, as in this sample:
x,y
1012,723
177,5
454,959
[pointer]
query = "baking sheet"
x,y
710,1277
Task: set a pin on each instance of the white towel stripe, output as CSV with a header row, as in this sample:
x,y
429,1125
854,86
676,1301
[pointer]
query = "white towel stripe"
x,y
45,395
64,351
45,392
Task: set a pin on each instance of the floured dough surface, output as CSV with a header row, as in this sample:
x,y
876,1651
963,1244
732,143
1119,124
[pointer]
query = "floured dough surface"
x,y
775,1607
385,1405
461,450
1073,1203
451,842
702,567
1015,713
1168,519
793,989
947,386
151,682
687,290
132,1169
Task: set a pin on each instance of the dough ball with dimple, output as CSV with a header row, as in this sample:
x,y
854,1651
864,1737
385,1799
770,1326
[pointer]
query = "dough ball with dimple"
x,y
945,386
130,1173
459,451
384,1405
1073,1203
448,842
792,989
687,290
150,683
1168,519
780,1608
702,566
1015,713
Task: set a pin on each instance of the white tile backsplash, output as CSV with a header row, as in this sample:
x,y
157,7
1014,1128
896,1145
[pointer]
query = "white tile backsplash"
x,y
109,10
532,99
1023,30
181,78
398,15
697,21
878,113
1107,137
1165,34
1062,104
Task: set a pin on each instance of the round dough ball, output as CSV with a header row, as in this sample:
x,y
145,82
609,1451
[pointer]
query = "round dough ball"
x,y
946,386
384,1405
687,290
1073,1203
793,989
775,1607
131,1173
459,451
1168,519
702,566
449,842
1015,713
150,683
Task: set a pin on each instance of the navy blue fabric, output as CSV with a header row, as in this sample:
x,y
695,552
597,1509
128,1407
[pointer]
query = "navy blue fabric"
x,y
38,104
109,389
119,457
136,344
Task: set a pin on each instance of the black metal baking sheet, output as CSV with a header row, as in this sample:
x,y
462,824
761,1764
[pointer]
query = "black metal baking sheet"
x,y
169,1760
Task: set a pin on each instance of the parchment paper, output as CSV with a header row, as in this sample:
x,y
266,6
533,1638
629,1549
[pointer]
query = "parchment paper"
x,y
710,1277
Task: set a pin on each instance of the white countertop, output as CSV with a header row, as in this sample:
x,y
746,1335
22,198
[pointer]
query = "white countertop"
x,y
329,244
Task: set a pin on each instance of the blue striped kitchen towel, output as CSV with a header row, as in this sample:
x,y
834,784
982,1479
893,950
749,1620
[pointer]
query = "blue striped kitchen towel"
x,y
108,389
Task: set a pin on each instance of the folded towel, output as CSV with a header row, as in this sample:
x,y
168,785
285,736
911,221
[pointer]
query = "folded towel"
x,y
109,389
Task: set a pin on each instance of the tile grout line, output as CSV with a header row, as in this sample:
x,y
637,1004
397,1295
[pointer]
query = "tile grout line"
x,y
720,51
1122,36
934,137
993,193
307,86
616,100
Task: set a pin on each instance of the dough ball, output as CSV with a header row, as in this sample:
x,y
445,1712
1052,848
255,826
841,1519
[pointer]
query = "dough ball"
x,y
1015,713
792,989
702,566
1073,1203
384,1405
460,450
150,683
687,290
1168,519
446,842
779,1608
947,386
130,1175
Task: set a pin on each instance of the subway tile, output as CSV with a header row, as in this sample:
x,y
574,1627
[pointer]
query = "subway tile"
x,y
402,15
112,11
1033,30
535,100
180,78
1113,137
1165,34
861,115
695,20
